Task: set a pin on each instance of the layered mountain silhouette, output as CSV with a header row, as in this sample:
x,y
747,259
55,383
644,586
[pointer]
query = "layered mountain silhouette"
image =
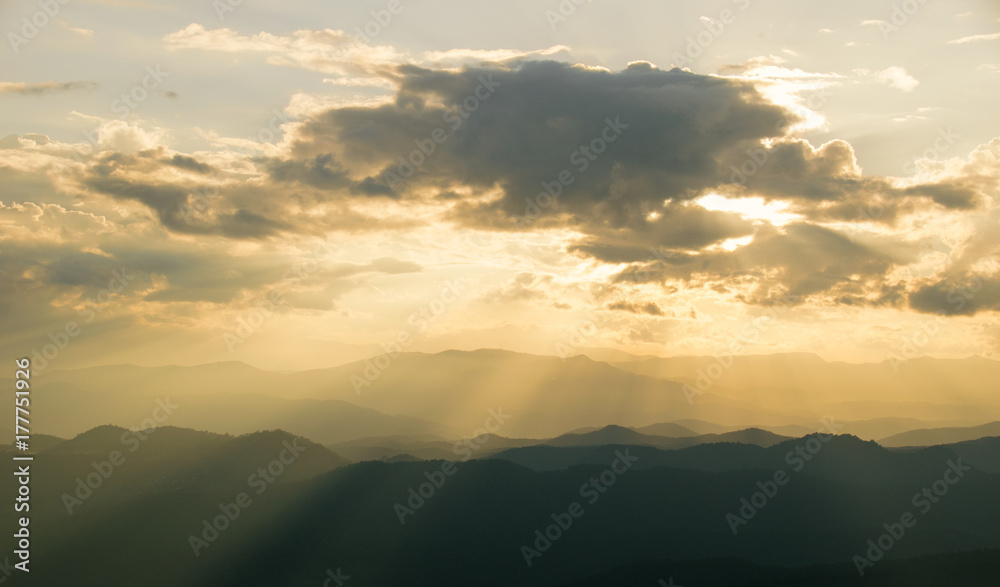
x,y
664,514
452,468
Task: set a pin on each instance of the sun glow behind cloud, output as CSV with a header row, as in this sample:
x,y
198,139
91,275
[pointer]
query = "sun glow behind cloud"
x,y
752,208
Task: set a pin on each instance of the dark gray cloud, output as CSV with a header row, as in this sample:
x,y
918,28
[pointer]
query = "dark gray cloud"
x,y
802,261
37,89
661,132
175,205
637,308
677,136
964,295
826,183
190,164
956,195
321,171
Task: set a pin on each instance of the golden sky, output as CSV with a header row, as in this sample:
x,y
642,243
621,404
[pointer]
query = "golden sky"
x,y
189,182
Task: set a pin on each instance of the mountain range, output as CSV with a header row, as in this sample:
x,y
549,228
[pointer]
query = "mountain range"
x,y
450,395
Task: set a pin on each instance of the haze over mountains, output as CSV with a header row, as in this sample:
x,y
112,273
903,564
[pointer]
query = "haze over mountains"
x,y
450,395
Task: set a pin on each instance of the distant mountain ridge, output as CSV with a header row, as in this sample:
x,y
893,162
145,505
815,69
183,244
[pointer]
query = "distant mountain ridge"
x,y
932,436
447,395
622,435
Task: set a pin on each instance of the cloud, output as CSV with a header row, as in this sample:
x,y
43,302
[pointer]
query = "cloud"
x,y
965,295
189,163
523,287
787,266
619,163
334,51
53,259
16,141
638,308
664,133
894,77
44,88
950,195
975,39
169,202
621,160
327,50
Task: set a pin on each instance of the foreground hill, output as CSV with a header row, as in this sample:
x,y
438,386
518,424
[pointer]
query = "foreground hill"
x,y
969,569
844,459
471,529
108,466
982,453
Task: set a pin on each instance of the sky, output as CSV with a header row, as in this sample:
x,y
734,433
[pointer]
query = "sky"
x,y
302,184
